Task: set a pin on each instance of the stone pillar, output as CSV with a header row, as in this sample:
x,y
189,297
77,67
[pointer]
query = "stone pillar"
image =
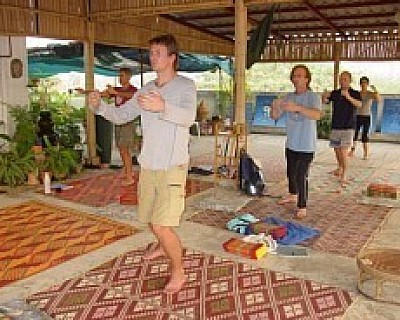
x,y
13,79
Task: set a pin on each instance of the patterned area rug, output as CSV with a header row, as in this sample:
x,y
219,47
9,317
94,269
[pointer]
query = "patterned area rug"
x,y
128,288
36,236
100,190
345,225
323,181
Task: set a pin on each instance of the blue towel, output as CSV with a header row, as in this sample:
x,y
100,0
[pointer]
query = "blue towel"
x,y
296,233
239,224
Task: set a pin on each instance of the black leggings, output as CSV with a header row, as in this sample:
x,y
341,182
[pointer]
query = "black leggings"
x,y
298,164
365,123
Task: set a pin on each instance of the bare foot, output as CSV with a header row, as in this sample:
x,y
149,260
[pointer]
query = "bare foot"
x,y
154,252
175,284
288,199
300,213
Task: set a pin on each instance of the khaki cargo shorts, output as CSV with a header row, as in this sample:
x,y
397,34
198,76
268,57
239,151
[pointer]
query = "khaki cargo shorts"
x,y
124,134
341,138
162,196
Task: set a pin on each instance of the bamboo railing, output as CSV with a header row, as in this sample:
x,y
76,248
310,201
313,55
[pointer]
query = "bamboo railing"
x,y
376,47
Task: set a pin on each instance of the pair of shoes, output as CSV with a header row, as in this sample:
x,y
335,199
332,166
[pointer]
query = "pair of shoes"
x,y
288,199
300,213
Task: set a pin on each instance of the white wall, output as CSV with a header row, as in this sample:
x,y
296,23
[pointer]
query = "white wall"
x,y
13,91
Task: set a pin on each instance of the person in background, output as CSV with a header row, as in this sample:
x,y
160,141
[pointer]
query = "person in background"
x,y
303,108
364,116
167,106
123,133
344,109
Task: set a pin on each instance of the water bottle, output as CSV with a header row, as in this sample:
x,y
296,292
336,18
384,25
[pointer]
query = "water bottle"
x,y
47,183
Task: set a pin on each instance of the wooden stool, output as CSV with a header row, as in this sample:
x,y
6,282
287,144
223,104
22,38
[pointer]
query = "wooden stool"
x,y
380,266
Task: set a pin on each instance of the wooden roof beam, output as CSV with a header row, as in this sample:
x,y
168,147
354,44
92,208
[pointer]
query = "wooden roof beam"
x,y
196,27
136,8
322,17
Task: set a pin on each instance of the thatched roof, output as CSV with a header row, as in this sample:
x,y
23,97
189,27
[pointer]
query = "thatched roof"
x,y
203,26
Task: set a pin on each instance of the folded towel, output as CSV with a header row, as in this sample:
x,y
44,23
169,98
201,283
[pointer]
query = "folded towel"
x,y
239,224
296,232
274,230
245,249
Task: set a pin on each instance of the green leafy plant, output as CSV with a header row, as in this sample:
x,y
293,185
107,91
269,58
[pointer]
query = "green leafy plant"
x,y
25,128
60,161
324,125
14,168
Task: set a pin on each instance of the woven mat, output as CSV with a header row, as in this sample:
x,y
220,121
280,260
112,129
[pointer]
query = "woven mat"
x,y
36,236
345,225
103,189
321,180
129,288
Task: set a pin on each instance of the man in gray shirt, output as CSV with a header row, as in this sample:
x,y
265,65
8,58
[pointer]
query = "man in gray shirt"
x,y
167,106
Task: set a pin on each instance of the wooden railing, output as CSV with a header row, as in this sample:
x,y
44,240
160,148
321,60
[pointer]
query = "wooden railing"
x,y
381,47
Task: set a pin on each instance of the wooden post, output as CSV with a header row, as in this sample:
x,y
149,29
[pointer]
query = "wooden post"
x,y
240,60
336,55
89,85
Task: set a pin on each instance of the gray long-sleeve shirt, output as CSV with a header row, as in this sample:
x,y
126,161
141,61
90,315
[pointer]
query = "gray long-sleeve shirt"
x,y
165,134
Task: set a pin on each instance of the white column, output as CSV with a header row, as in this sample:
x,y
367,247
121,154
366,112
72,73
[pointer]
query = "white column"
x,y
13,91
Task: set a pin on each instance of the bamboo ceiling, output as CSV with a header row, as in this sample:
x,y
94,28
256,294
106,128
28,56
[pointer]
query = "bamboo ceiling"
x,y
301,30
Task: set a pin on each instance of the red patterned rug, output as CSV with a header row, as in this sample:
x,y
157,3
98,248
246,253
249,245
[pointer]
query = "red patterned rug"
x,y
129,288
36,236
323,181
101,190
345,225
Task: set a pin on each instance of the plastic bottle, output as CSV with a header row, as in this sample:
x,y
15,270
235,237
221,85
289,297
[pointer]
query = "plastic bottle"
x,y
47,183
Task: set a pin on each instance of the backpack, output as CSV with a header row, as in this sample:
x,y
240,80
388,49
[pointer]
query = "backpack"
x,y
250,177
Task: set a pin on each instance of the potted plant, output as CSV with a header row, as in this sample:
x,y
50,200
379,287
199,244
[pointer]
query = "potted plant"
x,y
58,160
14,167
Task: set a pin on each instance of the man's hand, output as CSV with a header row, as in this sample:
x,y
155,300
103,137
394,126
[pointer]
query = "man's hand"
x,y
325,96
94,99
151,101
110,90
80,90
345,93
290,106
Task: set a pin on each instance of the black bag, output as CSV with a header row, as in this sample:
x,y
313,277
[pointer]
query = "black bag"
x,y
250,177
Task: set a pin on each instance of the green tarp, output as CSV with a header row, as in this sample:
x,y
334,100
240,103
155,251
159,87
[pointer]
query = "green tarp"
x,y
54,59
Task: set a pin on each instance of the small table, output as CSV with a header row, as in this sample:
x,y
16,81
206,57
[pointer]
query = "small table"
x,y
380,266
